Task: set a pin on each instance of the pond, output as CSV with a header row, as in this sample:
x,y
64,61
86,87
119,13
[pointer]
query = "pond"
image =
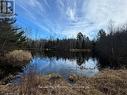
x,y
61,63
58,62
82,64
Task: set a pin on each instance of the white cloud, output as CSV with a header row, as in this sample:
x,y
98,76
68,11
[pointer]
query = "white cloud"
x,y
67,17
97,14
102,11
71,14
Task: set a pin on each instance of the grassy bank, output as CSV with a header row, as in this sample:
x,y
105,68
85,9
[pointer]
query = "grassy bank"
x,y
11,63
107,82
16,57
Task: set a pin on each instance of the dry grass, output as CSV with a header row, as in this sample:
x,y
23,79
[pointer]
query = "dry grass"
x,y
18,55
107,82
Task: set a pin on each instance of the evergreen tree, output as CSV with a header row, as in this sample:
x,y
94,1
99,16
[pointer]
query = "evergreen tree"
x,y
11,37
79,40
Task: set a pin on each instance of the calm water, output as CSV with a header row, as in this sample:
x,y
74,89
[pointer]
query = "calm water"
x,y
64,65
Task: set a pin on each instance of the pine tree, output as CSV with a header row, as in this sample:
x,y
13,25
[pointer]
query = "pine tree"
x,y
11,37
79,40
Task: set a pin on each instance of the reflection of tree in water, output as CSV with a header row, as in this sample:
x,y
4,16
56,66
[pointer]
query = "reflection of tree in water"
x,y
80,60
51,62
62,54
8,71
80,57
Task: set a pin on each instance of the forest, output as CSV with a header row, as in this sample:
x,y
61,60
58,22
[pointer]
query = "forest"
x,y
81,42
112,47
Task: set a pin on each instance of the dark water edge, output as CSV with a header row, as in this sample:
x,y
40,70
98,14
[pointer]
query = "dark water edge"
x,y
9,70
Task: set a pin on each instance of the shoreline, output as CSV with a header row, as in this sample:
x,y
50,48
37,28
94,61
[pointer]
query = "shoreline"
x,y
109,82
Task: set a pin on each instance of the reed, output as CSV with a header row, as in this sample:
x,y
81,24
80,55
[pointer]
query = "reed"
x,y
107,82
18,56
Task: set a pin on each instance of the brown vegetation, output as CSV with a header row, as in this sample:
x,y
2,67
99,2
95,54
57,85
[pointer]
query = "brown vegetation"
x,y
107,82
18,55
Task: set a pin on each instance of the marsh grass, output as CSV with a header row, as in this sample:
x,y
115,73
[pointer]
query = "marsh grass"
x,y
107,82
18,56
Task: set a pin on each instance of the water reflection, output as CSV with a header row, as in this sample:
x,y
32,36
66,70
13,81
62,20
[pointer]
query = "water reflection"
x,y
9,71
80,64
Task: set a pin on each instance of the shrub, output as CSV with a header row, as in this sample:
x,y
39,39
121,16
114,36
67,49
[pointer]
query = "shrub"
x,y
18,55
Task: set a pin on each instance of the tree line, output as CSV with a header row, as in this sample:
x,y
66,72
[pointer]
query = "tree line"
x,y
112,47
81,42
13,37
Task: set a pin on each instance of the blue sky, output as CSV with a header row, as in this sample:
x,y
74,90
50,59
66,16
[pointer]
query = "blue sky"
x,y
65,18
